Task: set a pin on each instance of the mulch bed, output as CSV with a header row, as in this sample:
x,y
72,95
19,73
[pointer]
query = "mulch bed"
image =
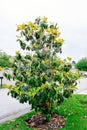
x,y
38,123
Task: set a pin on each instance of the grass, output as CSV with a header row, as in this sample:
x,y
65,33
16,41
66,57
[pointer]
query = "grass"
x,y
74,109
16,124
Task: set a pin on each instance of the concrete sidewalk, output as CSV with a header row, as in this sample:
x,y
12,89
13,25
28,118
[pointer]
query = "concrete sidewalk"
x,y
10,108
82,86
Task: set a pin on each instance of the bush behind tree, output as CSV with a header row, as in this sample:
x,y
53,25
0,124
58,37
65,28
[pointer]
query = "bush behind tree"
x,y
4,60
42,78
82,64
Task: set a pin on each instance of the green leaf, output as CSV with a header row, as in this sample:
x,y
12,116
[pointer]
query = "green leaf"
x,y
22,44
37,35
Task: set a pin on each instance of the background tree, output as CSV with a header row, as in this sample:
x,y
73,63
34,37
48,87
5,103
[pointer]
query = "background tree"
x,y
4,60
42,79
82,64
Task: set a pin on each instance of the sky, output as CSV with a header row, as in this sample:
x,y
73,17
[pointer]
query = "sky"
x,y
71,16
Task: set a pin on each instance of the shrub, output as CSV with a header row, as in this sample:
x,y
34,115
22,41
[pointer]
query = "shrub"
x,y
82,64
42,79
4,60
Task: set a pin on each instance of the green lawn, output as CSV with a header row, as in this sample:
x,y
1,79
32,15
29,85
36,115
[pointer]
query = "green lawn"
x,y
74,109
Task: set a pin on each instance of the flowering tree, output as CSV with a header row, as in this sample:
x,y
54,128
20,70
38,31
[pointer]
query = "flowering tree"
x,y
41,77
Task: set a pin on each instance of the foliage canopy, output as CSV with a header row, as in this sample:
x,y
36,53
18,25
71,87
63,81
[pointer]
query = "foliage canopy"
x,y
42,78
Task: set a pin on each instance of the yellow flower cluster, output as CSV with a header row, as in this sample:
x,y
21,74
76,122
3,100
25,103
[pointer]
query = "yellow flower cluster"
x,y
33,27
17,52
45,19
35,46
52,31
21,27
59,40
7,86
69,58
1,68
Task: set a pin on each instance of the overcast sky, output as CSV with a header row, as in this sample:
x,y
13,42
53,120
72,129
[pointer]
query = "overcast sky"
x,y
71,16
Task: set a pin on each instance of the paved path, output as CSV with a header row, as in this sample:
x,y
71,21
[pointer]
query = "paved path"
x,y
10,108
82,86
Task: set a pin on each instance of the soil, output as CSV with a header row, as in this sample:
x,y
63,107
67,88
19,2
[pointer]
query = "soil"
x,y
37,122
